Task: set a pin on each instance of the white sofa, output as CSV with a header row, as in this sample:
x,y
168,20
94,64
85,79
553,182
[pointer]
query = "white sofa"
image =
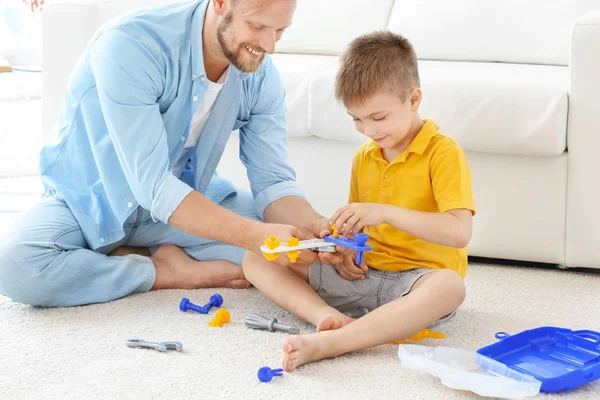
x,y
514,82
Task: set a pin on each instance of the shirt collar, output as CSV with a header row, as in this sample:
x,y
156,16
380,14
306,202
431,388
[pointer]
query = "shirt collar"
x,y
417,146
423,138
197,53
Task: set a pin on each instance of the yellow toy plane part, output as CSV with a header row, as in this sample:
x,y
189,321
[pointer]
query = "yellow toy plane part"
x,y
273,247
294,254
424,334
334,231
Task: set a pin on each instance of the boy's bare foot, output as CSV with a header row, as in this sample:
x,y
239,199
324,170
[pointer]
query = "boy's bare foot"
x,y
176,270
303,349
332,321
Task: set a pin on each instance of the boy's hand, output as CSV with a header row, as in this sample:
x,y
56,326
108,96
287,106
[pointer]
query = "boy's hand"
x,y
344,264
353,217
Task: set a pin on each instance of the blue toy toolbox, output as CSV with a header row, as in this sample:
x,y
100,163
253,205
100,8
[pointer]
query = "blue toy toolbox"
x,y
561,359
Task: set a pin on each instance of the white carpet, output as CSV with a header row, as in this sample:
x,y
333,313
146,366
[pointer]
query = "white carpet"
x,y
81,353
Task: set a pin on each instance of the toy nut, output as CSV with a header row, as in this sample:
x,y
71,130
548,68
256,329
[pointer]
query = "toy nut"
x,y
221,318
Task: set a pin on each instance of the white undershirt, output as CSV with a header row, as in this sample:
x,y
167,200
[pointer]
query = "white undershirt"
x,y
203,111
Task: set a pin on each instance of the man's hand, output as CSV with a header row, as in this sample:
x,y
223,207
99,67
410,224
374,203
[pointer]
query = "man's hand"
x,y
343,260
353,217
322,228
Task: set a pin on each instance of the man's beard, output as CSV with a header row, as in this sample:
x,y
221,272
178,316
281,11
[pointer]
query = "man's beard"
x,y
237,57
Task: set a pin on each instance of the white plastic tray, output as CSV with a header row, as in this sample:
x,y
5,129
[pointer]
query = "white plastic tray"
x,y
466,370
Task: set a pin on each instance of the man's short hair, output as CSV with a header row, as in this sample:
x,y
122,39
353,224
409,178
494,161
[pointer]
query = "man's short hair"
x,y
377,61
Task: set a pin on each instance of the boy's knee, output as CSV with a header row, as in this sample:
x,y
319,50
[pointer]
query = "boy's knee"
x,y
452,287
250,263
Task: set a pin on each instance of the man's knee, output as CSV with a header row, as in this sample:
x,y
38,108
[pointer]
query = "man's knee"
x,y
242,204
20,277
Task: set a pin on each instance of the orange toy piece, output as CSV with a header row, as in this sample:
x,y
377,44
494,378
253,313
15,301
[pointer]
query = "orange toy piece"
x,y
334,232
424,334
272,242
221,318
293,255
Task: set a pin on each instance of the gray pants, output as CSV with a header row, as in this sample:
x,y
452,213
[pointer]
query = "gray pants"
x,y
358,297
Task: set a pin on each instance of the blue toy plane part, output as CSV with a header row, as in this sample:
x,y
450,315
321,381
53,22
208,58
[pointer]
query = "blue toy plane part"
x,y
359,244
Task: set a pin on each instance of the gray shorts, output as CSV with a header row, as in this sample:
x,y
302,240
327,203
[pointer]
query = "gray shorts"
x,y
356,298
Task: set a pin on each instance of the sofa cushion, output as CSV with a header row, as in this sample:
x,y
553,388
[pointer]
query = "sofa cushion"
x,y
326,27
530,31
487,107
297,72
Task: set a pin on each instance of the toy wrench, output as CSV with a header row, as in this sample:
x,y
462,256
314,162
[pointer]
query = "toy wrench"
x,y
159,346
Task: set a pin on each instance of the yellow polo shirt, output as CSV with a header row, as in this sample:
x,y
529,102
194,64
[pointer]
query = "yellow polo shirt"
x,y
431,175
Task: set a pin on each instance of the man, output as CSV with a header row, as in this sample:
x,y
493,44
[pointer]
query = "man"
x,y
149,108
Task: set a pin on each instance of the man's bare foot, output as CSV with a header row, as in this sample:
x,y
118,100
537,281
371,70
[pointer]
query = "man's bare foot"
x,y
176,270
126,250
332,321
303,349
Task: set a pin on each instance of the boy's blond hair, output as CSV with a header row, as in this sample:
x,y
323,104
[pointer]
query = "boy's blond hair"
x,y
381,60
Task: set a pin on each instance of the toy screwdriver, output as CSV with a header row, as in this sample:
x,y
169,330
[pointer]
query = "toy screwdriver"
x,y
255,321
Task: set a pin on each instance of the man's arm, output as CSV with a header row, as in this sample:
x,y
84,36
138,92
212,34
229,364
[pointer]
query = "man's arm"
x,y
295,210
129,81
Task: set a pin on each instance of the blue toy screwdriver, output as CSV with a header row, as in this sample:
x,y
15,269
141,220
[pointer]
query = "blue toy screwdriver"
x,y
265,374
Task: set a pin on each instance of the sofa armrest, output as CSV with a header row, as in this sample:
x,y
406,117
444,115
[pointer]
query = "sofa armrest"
x,y
583,142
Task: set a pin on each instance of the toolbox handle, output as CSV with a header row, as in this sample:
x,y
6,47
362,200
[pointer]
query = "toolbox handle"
x,y
501,335
588,335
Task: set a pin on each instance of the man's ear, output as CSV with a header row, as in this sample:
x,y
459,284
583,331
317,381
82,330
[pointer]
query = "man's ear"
x,y
415,99
221,7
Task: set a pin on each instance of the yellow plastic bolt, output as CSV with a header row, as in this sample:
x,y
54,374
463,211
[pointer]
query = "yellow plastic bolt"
x,y
424,334
272,243
334,231
294,254
221,318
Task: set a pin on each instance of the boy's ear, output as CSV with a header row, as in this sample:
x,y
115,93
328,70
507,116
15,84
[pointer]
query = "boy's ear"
x,y
415,99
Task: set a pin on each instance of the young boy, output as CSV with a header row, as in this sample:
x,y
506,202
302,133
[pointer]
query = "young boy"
x,y
410,192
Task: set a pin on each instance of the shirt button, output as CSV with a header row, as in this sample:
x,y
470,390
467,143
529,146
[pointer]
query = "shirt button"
x,y
202,78
195,98
387,176
130,204
194,76
101,240
183,138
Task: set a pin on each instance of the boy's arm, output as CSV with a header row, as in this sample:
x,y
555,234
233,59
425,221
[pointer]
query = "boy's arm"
x,y
451,226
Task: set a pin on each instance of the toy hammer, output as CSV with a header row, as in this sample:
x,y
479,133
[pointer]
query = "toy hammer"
x,y
255,321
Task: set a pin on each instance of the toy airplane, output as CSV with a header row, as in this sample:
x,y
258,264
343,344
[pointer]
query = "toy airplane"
x,y
273,247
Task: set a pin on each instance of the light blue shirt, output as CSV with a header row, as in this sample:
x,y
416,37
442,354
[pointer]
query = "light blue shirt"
x,y
127,115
